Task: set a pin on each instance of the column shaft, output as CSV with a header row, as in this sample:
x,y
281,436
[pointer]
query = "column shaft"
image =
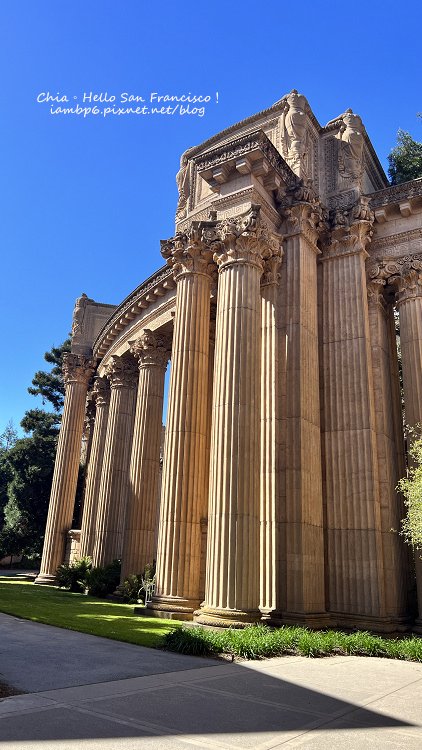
x,y
354,544
101,393
152,351
77,370
302,592
114,475
184,495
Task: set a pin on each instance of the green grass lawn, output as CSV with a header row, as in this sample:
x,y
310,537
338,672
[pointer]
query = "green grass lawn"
x,y
85,614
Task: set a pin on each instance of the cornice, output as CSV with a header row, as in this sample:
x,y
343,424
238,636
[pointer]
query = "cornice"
x,y
141,298
397,193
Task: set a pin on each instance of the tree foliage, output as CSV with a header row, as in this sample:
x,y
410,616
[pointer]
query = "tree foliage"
x,y
411,487
405,160
27,464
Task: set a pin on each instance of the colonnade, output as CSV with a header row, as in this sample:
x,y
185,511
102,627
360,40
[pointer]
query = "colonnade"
x,y
284,454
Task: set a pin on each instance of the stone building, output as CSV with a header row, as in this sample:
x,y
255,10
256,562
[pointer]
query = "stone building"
x,y
284,437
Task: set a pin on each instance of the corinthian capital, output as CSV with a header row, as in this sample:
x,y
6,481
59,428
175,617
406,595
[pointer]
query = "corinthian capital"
x,y
303,213
77,368
403,274
151,349
244,239
122,372
351,229
191,252
101,391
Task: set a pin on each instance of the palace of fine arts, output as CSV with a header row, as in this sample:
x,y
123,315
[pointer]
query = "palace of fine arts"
x,y
272,495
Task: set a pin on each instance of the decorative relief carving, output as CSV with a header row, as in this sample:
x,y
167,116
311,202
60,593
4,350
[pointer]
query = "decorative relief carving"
x,y
122,372
192,251
393,241
244,239
303,212
351,229
183,186
404,274
101,391
397,193
151,349
77,368
78,317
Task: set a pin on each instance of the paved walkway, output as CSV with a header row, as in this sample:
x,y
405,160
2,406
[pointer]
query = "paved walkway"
x,y
145,699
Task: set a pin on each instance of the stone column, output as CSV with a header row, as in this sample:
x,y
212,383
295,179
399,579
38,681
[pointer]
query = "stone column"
x,y
232,581
394,554
184,497
152,351
406,276
101,396
270,564
302,591
77,370
123,376
354,544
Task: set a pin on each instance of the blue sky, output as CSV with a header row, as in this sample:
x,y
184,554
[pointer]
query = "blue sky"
x,y
86,201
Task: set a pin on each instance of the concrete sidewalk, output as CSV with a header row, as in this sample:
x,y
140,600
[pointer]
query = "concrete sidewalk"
x,y
185,702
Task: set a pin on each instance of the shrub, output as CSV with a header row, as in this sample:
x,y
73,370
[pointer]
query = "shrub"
x,y
74,576
104,581
138,588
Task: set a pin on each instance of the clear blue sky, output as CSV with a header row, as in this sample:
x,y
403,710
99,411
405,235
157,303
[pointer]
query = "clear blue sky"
x,y
86,201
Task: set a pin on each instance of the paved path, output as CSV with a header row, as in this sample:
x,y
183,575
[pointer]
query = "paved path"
x,y
179,702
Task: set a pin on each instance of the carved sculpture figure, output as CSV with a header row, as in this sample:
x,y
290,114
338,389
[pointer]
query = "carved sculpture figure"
x,y
183,186
350,136
294,130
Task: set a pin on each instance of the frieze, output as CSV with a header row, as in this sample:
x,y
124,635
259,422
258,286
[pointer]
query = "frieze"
x,y
397,193
393,241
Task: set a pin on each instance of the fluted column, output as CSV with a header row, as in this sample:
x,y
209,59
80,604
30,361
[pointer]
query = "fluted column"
x,y
270,563
152,351
101,396
123,376
386,394
302,588
77,370
354,543
406,276
232,580
184,496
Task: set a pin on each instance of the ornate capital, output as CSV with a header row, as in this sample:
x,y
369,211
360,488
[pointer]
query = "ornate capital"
x,y
404,274
303,213
191,252
151,349
77,368
375,290
351,229
101,391
244,239
122,372
271,274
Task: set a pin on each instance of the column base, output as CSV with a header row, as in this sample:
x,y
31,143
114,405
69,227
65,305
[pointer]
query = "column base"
x,y
417,627
382,625
311,620
46,579
227,618
171,608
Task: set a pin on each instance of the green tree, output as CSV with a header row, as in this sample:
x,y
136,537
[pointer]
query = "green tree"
x,y
27,464
405,160
411,487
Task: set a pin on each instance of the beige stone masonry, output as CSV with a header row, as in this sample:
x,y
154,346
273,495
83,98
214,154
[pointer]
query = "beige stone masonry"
x,y
354,543
101,395
301,582
184,497
123,376
232,581
152,351
77,371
